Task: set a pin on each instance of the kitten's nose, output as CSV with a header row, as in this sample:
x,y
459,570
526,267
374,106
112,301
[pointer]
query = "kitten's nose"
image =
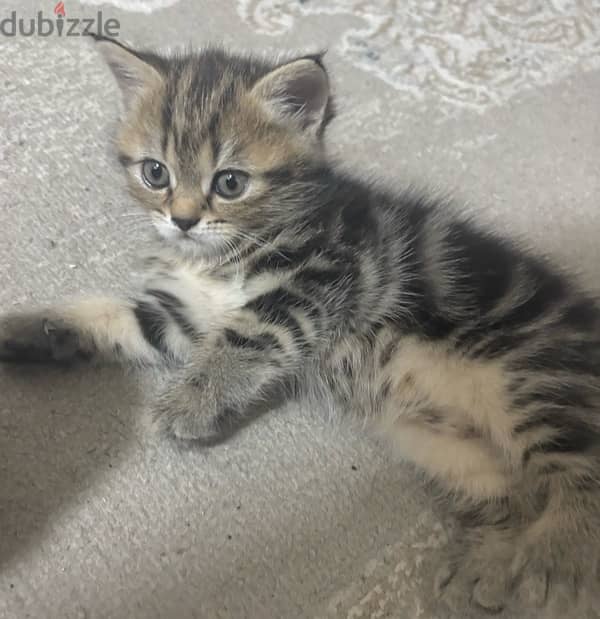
x,y
184,223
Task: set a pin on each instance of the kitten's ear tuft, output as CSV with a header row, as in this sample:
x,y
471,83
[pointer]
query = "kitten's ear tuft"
x,y
297,91
133,71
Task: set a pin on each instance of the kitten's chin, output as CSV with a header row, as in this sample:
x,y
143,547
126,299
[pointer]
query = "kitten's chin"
x,y
204,247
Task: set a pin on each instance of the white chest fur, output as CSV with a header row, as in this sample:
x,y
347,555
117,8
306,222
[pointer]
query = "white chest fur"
x,y
209,299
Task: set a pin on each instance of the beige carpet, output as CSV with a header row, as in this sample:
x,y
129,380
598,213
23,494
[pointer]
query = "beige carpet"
x,y
495,101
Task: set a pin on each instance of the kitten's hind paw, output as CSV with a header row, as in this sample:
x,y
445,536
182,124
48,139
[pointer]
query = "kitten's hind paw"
x,y
534,580
38,338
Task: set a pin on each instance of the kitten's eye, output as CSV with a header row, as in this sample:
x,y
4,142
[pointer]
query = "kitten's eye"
x,y
155,174
230,184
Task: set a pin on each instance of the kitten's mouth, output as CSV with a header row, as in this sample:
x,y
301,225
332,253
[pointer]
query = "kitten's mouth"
x,y
188,239
200,240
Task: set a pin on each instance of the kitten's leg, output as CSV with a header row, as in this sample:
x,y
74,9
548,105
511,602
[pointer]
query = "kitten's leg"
x,y
541,547
477,484
547,550
205,401
139,331
473,470
241,365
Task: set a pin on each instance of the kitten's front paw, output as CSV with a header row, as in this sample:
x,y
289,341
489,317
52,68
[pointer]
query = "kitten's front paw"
x,y
37,337
185,414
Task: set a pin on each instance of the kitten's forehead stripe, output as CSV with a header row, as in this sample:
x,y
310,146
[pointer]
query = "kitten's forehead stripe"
x,y
213,136
166,123
199,87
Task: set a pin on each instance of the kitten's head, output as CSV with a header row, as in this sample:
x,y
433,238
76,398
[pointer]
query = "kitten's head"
x,y
218,147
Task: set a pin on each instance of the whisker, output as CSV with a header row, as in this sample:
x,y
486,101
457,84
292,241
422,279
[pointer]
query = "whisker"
x,y
132,216
261,242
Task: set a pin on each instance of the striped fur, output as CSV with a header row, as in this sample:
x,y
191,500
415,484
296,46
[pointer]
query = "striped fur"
x,y
479,362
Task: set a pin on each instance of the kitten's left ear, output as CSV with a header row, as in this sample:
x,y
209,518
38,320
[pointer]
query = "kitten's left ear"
x,y
298,92
135,71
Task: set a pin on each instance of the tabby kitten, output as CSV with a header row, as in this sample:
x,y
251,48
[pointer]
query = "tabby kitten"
x,y
478,362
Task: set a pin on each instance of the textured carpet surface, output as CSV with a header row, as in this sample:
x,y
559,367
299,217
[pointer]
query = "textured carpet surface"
x,y
495,102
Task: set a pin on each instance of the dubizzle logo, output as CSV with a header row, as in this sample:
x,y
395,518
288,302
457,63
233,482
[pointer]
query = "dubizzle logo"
x,y
60,25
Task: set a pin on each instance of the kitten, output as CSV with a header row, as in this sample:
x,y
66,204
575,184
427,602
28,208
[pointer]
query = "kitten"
x,y
479,362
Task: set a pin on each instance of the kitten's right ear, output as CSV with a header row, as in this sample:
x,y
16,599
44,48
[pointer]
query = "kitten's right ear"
x,y
133,71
